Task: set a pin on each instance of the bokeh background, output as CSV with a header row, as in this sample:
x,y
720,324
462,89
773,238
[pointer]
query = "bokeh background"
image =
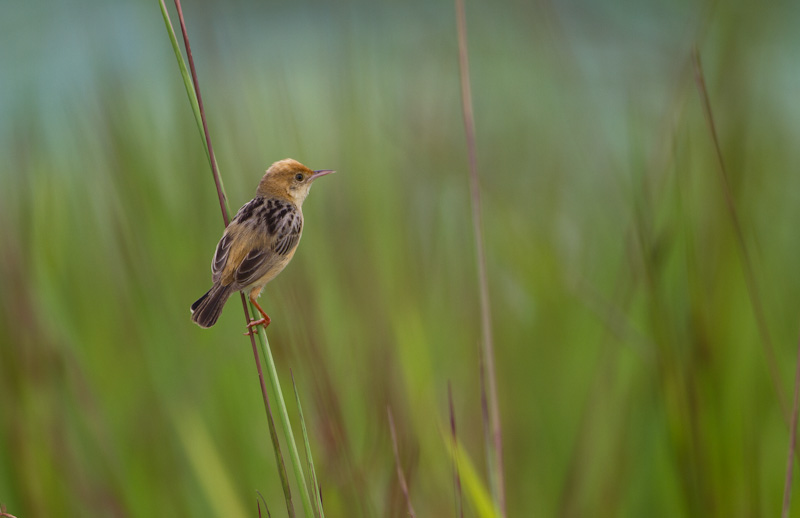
x,y
634,379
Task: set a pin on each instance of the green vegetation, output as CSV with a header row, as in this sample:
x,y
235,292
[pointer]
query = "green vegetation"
x,y
633,377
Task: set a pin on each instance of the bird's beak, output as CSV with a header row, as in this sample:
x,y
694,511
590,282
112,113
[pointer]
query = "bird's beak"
x,y
320,172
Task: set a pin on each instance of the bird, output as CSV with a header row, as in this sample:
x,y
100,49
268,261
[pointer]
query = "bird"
x,y
259,242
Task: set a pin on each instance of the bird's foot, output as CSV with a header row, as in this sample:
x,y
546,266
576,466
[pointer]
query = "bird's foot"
x,y
253,325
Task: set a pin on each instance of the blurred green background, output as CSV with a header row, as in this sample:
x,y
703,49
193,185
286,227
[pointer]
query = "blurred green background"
x,y
633,378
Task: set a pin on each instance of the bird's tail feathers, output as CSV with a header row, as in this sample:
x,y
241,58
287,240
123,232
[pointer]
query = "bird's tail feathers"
x,y
207,309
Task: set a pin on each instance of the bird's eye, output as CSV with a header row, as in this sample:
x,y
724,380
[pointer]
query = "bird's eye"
x,y
299,177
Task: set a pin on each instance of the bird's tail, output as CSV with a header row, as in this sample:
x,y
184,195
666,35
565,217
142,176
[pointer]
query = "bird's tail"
x,y
207,309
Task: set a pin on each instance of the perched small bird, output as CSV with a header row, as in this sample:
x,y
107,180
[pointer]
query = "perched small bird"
x,y
259,242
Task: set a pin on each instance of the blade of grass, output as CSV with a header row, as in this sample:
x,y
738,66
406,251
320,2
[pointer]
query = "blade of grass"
x,y
208,463
476,491
454,445
196,99
787,488
276,447
283,415
187,78
487,433
400,475
266,507
223,200
309,459
496,460
749,273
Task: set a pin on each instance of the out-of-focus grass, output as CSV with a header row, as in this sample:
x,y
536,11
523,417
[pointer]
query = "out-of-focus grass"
x,y
631,374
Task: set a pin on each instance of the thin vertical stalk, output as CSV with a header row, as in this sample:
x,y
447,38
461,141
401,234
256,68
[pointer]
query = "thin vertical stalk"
x,y
266,507
283,416
456,474
400,475
317,502
749,273
496,466
223,202
787,488
273,434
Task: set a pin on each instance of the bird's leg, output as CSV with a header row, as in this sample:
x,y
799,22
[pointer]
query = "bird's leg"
x,y
255,323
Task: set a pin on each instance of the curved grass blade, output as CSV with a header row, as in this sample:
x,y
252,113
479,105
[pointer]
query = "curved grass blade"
x,y
309,459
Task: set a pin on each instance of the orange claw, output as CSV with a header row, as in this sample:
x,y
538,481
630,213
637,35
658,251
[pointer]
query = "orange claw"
x,y
255,323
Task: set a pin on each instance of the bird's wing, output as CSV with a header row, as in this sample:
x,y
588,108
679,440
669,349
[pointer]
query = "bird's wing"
x,y
221,257
255,266
232,234
281,223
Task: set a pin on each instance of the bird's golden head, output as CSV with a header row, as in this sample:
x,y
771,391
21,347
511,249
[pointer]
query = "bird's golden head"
x,y
289,179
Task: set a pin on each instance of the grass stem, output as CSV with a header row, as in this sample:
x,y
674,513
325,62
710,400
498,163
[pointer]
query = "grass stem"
x,y
223,203
401,477
749,272
317,502
283,418
456,475
787,488
496,466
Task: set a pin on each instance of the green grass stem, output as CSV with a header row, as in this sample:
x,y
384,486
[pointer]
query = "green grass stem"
x,y
787,487
283,418
310,460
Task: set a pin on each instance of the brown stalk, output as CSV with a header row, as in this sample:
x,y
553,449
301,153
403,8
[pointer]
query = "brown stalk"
x,y
222,201
400,475
787,488
496,467
226,219
259,504
749,275
456,474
